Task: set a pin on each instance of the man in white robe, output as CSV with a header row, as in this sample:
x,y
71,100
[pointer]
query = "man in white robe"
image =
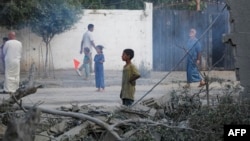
x,y
12,51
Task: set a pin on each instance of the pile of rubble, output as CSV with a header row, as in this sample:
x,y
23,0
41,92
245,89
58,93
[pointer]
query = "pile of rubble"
x,y
92,123
147,120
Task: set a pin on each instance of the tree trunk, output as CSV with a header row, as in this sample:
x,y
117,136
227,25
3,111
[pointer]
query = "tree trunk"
x,y
46,60
198,5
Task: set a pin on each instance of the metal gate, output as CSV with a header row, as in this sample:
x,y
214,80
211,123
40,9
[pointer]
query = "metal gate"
x,y
170,34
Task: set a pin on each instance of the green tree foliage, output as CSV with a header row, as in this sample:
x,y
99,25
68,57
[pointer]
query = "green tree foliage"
x,y
113,4
53,17
46,18
139,4
14,14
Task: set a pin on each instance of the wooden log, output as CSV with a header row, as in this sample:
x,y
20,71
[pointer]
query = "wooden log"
x,y
102,124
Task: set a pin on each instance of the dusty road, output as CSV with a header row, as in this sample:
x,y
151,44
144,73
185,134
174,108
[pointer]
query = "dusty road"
x,y
65,87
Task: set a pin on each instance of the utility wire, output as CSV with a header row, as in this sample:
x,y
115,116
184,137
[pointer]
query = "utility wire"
x,y
188,53
208,28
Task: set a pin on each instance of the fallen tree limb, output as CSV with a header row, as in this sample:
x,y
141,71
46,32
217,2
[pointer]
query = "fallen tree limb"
x,y
79,116
109,128
153,123
20,94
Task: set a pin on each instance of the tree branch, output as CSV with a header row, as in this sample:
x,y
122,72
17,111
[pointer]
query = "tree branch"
x,y
80,116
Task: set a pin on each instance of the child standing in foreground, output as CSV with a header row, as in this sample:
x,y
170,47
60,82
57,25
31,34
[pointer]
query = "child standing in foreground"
x,y
98,68
86,63
129,76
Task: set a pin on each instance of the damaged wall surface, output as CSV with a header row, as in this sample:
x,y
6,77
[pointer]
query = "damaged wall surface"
x,y
239,39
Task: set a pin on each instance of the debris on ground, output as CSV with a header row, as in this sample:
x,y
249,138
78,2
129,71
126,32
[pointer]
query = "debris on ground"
x,y
177,118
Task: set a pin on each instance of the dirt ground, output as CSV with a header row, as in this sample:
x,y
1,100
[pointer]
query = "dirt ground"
x,y
65,87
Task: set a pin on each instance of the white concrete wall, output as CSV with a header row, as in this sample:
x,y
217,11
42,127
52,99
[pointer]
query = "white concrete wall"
x,y
114,29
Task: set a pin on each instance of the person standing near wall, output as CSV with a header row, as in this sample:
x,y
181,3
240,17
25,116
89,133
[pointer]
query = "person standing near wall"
x,y
88,41
193,59
2,55
99,69
12,51
129,76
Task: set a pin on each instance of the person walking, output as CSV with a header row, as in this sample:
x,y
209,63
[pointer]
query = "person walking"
x,y
85,65
12,51
99,69
2,63
88,41
193,60
129,76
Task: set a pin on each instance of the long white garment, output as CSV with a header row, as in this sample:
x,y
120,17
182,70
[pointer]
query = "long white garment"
x,y
12,51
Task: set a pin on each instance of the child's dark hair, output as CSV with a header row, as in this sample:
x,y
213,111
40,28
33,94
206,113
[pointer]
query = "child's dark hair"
x,y
90,26
99,47
129,52
86,49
